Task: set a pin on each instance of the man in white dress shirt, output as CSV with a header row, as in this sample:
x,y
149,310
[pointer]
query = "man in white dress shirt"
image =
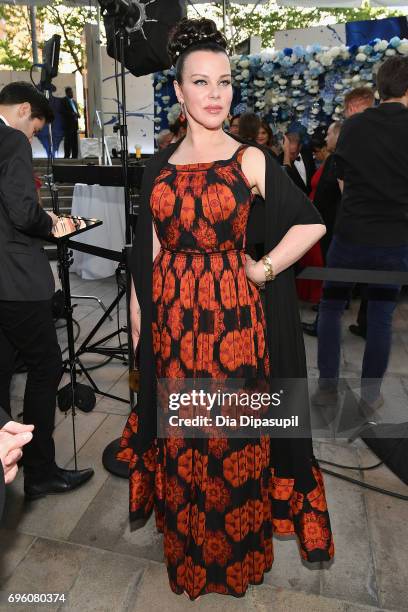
x,y
297,164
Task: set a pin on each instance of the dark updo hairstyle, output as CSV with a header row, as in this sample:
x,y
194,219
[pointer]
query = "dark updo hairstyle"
x,y
193,35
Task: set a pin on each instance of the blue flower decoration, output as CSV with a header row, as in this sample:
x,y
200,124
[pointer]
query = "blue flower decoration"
x,y
299,51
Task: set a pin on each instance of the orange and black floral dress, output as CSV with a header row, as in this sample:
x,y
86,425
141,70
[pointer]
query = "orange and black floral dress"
x,y
213,497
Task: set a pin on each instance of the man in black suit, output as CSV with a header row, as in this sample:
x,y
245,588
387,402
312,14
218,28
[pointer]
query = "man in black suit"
x,y
26,290
298,163
71,115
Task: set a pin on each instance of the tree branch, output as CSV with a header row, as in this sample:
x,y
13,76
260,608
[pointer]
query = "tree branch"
x,y
67,39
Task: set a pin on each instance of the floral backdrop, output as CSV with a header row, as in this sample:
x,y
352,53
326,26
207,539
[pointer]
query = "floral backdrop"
x,y
304,86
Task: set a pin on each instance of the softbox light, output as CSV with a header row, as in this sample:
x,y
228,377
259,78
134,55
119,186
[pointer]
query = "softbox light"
x,y
146,49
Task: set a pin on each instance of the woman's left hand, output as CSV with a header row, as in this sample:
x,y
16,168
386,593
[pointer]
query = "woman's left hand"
x,y
255,271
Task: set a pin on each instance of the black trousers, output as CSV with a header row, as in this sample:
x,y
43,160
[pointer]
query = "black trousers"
x,y
71,143
28,328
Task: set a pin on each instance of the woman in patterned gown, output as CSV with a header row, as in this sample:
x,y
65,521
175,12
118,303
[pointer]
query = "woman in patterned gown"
x,y
216,500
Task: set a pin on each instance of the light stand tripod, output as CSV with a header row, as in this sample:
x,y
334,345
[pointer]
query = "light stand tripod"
x,y
109,458
123,351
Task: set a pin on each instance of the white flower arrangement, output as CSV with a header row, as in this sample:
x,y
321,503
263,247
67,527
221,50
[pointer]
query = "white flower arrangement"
x,y
381,46
403,47
325,59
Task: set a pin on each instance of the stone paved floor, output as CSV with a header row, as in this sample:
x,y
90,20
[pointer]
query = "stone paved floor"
x,y
80,543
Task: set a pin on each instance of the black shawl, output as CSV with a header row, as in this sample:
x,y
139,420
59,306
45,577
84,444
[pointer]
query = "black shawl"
x,y
285,206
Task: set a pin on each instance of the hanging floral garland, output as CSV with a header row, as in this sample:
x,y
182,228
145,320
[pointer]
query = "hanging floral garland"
x,y
305,85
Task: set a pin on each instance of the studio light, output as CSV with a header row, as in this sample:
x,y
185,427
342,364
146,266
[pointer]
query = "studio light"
x,y
146,26
131,14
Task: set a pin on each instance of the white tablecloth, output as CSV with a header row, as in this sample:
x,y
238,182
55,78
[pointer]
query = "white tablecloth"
x,y
106,204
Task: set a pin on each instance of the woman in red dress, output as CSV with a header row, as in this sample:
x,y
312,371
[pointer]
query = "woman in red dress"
x,y
217,500
311,290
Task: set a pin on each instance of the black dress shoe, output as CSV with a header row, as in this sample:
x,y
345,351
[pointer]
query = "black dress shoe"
x,y
62,481
310,329
358,331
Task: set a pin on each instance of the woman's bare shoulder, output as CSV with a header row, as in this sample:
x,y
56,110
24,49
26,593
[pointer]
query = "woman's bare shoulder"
x,y
254,155
253,165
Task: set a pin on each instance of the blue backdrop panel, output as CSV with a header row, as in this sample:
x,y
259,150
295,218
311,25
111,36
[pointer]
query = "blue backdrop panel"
x,y
362,32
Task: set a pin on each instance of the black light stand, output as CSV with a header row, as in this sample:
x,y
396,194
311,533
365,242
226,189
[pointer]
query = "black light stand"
x,y
109,457
123,351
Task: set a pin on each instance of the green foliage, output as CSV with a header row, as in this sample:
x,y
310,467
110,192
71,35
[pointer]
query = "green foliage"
x,y
264,20
11,58
15,48
69,23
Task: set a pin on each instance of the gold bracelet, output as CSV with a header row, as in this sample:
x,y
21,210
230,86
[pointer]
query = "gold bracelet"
x,y
267,263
